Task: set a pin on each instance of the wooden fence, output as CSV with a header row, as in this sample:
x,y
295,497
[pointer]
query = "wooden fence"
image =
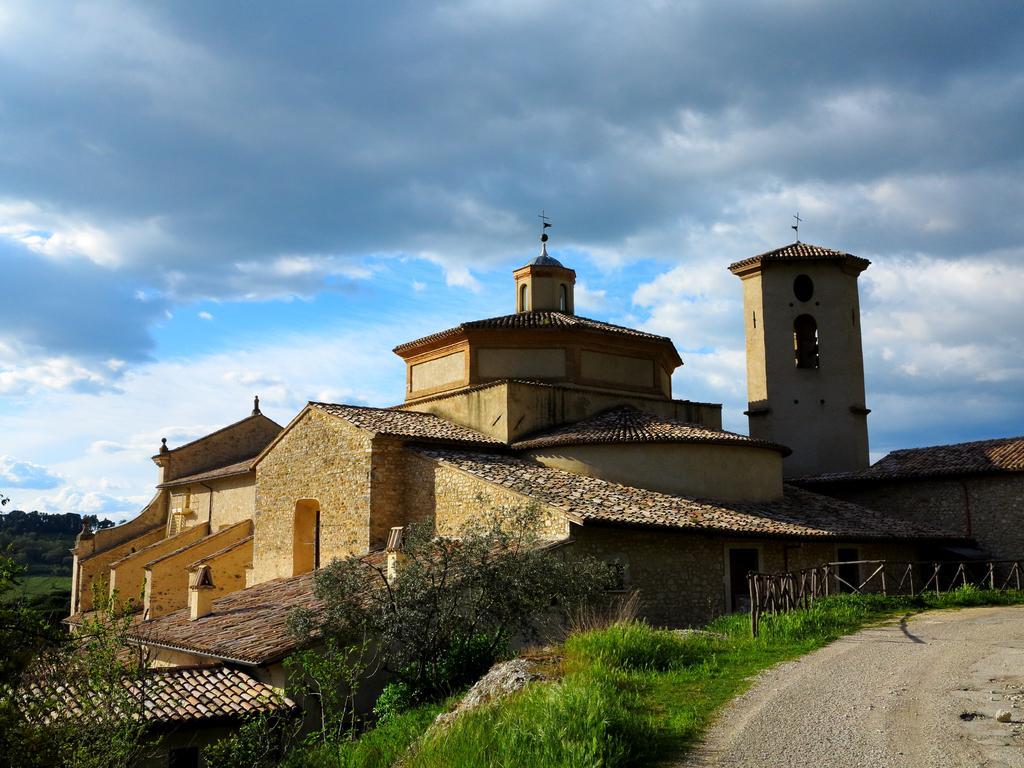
x,y
782,592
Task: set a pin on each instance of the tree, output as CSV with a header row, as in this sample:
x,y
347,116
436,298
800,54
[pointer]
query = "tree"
x,y
455,603
102,674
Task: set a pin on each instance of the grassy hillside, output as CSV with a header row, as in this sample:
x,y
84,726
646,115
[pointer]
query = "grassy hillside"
x,y
628,695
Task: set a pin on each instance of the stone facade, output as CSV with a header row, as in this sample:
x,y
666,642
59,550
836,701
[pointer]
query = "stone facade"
x,y
128,575
233,443
683,577
221,502
986,508
319,458
166,587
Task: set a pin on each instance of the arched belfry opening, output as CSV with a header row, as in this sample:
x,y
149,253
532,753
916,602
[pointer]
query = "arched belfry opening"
x,y
805,341
306,537
544,285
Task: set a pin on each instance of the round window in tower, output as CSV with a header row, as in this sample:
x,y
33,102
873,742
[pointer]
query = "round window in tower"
x,y
803,288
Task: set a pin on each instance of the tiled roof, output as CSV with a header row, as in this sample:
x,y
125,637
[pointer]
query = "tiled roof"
x,y
230,470
626,424
249,626
408,424
175,695
800,514
800,252
540,320
980,457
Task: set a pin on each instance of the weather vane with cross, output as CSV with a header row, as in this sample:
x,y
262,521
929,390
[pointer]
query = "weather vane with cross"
x,y
544,224
796,227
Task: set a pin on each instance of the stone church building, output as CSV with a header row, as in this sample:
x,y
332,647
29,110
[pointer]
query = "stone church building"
x,y
577,416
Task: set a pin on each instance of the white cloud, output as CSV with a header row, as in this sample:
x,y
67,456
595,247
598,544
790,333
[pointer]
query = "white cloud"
x,y
15,473
204,315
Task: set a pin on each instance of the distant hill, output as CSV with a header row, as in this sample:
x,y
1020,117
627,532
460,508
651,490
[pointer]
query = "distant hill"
x,y
42,542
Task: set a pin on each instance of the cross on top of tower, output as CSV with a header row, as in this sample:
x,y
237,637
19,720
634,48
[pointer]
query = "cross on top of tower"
x,y
544,224
796,227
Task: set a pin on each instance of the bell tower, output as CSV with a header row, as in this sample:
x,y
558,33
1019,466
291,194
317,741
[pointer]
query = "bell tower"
x,y
544,284
805,366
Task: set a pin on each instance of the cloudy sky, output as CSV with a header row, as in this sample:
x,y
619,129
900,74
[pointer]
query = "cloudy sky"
x,y
202,201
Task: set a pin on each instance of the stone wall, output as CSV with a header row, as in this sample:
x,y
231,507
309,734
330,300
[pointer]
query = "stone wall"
x,y
223,502
683,577
128,575
167,575
321,458
512,410
453,499
995,504
237,442
228,567
707,471
96,568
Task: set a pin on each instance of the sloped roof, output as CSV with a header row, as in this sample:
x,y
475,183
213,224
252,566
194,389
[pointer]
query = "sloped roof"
x,y
407,424
626,424
800,252
979,457
800,514
537,320
249,626
229,470
175,695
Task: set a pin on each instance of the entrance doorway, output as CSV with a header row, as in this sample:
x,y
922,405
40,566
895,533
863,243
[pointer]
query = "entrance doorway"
x,y
742,560
306,537
849,573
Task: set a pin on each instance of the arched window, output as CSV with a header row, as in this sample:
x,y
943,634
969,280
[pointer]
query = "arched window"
x,y
523,299
563,297
805,342
306,537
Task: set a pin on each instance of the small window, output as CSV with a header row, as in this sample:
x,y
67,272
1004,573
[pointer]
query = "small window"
x,y
803,288
523,299
805,342
563,297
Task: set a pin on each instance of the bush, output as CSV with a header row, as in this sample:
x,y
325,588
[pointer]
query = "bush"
x,y
395,699
447,614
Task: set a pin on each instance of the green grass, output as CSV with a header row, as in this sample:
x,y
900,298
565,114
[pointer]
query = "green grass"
x,y
630,695
35,586
380,747
635,695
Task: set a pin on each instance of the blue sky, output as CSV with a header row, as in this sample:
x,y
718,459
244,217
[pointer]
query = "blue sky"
x,y
201,201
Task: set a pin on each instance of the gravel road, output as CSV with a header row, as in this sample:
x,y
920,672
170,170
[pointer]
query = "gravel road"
x,y
921,693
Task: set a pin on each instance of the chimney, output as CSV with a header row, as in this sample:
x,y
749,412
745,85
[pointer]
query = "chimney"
x,y
200,592
394,550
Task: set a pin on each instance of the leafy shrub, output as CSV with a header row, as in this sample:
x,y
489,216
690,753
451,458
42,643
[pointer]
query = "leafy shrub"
x,y
395,699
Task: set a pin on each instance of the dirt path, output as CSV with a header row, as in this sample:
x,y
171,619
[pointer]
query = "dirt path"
x,y
889,696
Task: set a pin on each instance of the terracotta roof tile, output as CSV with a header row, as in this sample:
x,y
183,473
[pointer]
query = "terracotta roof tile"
x,y
800,252
407,424
229,470
800,514
539,320
249,626
175,695
980,457
626,424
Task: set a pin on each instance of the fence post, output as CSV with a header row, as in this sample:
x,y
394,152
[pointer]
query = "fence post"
x,y
936,577
883,579
910,570
991,576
